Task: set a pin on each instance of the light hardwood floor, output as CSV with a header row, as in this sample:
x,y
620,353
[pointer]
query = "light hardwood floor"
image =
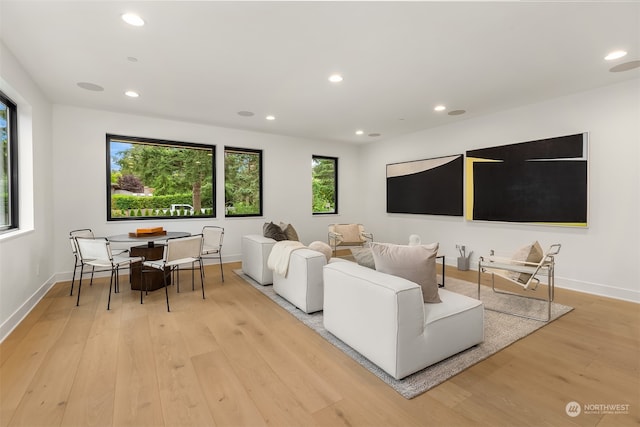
x,y
238,359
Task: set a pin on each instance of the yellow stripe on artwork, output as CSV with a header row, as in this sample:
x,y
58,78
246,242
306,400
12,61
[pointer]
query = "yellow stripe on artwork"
x,y
469,166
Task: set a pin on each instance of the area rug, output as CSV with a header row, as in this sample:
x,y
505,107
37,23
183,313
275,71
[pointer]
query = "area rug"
x,y
501,330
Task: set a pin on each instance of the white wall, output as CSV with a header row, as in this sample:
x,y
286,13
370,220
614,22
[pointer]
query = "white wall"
x,y
26,265
79,178
602,259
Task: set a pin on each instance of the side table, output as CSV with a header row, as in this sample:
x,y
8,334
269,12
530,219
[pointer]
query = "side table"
x,y
152,280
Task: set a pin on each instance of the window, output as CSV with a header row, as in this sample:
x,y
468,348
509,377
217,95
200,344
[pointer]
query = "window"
x,y
9,164
324,187
242,182
150,179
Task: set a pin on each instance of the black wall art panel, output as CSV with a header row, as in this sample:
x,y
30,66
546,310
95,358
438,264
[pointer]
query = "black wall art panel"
x,y
543,181
430,186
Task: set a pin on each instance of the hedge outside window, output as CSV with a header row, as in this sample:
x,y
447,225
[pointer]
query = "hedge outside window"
x,y
324,174
9,164
151,179
242,182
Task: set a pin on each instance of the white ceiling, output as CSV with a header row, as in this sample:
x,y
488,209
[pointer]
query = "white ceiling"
x,y
206,61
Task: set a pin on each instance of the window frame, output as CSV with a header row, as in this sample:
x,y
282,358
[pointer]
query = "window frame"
x,y
13,202
261,179
335,183
158,142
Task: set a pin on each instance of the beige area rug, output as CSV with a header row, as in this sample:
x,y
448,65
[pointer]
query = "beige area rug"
x,y
501,330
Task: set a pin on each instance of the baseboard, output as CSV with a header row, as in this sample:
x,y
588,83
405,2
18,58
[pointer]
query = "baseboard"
x,y
18,316
598,289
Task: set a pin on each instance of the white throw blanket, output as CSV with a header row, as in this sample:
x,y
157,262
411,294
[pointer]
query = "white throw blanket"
x,y
280,253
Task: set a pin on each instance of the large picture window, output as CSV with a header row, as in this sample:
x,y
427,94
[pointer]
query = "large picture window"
x,y
242,182
9,164
150,179
324,176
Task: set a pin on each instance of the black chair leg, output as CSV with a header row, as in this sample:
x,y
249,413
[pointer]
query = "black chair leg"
x,y
110,287
193,265
73,279
80,286
221,269
201,277
166,291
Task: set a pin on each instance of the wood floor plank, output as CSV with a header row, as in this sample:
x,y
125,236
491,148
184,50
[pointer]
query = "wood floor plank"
x,y
182,400
137,396
227,398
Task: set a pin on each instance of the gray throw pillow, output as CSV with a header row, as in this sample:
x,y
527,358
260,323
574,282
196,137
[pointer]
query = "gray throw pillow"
x,y
414,263
274,232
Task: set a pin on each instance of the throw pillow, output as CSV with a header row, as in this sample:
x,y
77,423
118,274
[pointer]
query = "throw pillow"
x,y
529,253
364,257
289,231
414,263
321,247
274,231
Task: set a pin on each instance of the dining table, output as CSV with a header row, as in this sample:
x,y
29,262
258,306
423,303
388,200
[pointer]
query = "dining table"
x,y
151,247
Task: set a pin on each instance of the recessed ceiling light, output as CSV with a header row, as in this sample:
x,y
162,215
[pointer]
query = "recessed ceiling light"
x,y
133,19
615,55
90,86
132,59
335,78
625,66
440,108
456,112
359,132
373,135
132,94
245,113
270,117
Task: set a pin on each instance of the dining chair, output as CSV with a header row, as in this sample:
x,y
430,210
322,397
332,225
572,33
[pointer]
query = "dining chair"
x,y
77,262
96,252
178,251
84,233
212,244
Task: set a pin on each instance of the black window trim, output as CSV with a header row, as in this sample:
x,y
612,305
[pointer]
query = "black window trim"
x,y
260,163
14,187
335,159
134,139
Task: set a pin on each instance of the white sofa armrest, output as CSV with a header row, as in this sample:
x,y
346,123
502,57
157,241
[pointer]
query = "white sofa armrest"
x,y
303,284
255,254
366,309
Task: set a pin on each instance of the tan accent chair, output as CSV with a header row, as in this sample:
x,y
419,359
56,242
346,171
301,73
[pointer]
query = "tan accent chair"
x,y
348,235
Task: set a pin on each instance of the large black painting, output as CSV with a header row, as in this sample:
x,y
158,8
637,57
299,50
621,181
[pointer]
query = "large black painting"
x,y
430,186
543,181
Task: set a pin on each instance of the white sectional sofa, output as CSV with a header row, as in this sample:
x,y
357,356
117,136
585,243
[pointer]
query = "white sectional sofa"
x,y
255,254
303,284
384,318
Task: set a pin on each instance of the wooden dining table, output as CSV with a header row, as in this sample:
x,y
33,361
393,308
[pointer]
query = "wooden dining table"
x,y
150,247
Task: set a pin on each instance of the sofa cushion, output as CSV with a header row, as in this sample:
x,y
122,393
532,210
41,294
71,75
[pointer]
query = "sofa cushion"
x,y
321,247
414,263
274,232
529,253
